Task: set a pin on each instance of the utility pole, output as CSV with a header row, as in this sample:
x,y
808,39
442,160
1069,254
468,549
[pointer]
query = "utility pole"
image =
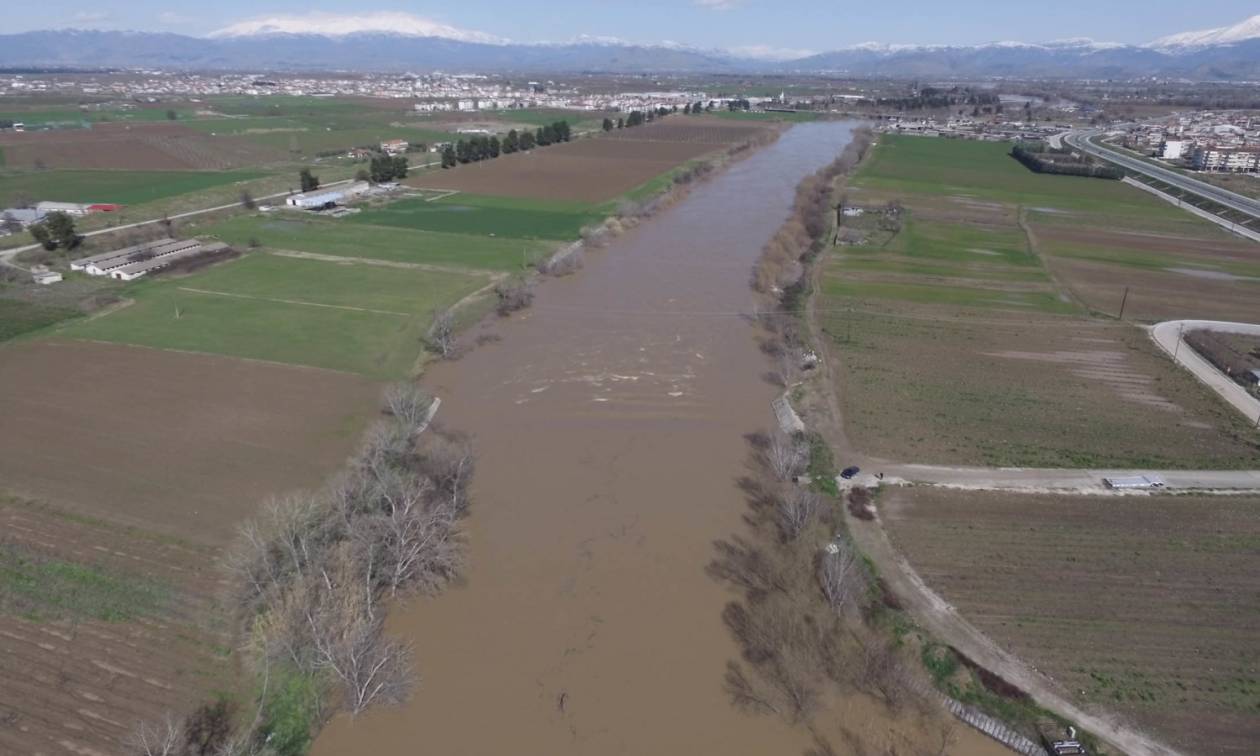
x,y
1123,301
1180,337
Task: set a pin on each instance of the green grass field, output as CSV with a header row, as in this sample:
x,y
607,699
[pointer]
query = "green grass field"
x,y
358,318
18,317
348,239
984,170
486,216
957,346
42,589
122,187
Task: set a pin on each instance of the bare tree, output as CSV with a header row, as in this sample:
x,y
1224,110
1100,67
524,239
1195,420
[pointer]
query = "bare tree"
x,y
745,693
796,509
448,459
442,334
407,402
513,296
347,637
165,738
416,534
840,575
785,456
882,672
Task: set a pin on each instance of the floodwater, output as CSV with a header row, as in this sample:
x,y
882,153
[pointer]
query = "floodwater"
x,y
609,423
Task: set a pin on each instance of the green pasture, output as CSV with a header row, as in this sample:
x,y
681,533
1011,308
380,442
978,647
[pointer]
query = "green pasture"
x,y
953,296
345,238
123,187
485,215
984,170
353,317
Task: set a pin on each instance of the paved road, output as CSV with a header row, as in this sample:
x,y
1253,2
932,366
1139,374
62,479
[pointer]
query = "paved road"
x,y
1169,336
1081,141
1035,480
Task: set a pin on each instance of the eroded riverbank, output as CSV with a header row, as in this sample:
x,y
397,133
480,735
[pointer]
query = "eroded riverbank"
x,y
610,422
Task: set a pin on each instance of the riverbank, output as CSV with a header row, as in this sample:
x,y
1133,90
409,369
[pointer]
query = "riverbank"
x,y
586,622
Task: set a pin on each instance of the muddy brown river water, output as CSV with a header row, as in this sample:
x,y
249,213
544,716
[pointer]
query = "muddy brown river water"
x,y
609,423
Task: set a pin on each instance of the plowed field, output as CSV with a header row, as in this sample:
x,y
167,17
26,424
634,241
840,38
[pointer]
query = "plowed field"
x,y
1144,605
141,146
81,665
592,170
181,443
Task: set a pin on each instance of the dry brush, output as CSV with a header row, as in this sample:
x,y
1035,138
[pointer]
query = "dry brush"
x,y
312,574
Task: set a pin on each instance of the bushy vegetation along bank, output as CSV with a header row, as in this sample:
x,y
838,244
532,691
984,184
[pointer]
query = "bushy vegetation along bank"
x,y
311,580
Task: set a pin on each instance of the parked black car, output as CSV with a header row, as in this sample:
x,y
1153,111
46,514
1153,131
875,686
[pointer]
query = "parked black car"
x,y
848,472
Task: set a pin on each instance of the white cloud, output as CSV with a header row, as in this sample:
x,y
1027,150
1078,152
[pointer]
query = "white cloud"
x,y
336,24
90,17
717,5
171,18
766,52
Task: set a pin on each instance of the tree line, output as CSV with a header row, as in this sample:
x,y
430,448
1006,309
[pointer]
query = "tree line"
x,y
480,148
1037,158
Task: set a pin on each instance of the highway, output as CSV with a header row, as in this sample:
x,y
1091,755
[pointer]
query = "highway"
x,y
1081,141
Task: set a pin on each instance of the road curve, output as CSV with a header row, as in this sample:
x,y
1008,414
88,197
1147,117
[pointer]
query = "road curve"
x,y
1081,141
1170,336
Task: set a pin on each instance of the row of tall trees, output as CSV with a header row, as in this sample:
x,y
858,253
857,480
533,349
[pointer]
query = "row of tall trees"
x,y
478,148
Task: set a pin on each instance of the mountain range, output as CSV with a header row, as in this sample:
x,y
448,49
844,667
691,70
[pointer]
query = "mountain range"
x,y
377,44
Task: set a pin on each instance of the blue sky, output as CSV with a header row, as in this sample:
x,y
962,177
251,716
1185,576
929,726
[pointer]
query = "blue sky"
x,y
732,24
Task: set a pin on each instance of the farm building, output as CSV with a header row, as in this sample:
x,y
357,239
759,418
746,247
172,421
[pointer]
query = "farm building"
x,y
40,274
394,146
69,208
24,215
143,267
325,197
112,263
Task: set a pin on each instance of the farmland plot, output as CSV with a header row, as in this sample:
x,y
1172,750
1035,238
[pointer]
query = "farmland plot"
x,y
340,315
177,443
1143,605
147,146
100,628
591,170
963,337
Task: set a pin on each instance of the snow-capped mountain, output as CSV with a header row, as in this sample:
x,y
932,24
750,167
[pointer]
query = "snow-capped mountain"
x,y
1225,35
394,41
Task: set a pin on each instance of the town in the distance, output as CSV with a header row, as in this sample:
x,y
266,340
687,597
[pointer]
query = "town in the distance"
x,y
376,383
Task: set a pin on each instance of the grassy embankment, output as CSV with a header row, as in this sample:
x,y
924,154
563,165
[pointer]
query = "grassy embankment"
x,y
956,344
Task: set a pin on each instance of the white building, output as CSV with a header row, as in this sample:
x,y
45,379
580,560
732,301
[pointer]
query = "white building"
x,y
69,208
1172,149
324,197
1226,160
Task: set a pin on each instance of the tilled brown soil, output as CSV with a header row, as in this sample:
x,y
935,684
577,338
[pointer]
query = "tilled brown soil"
x,y
81,686
149,146
589,170
182,443
1145,605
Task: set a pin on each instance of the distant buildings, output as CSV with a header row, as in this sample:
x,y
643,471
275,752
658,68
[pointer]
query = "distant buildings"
x,y
1226,160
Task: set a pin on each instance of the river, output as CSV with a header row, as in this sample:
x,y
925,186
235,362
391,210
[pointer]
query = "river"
x,y
609,423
